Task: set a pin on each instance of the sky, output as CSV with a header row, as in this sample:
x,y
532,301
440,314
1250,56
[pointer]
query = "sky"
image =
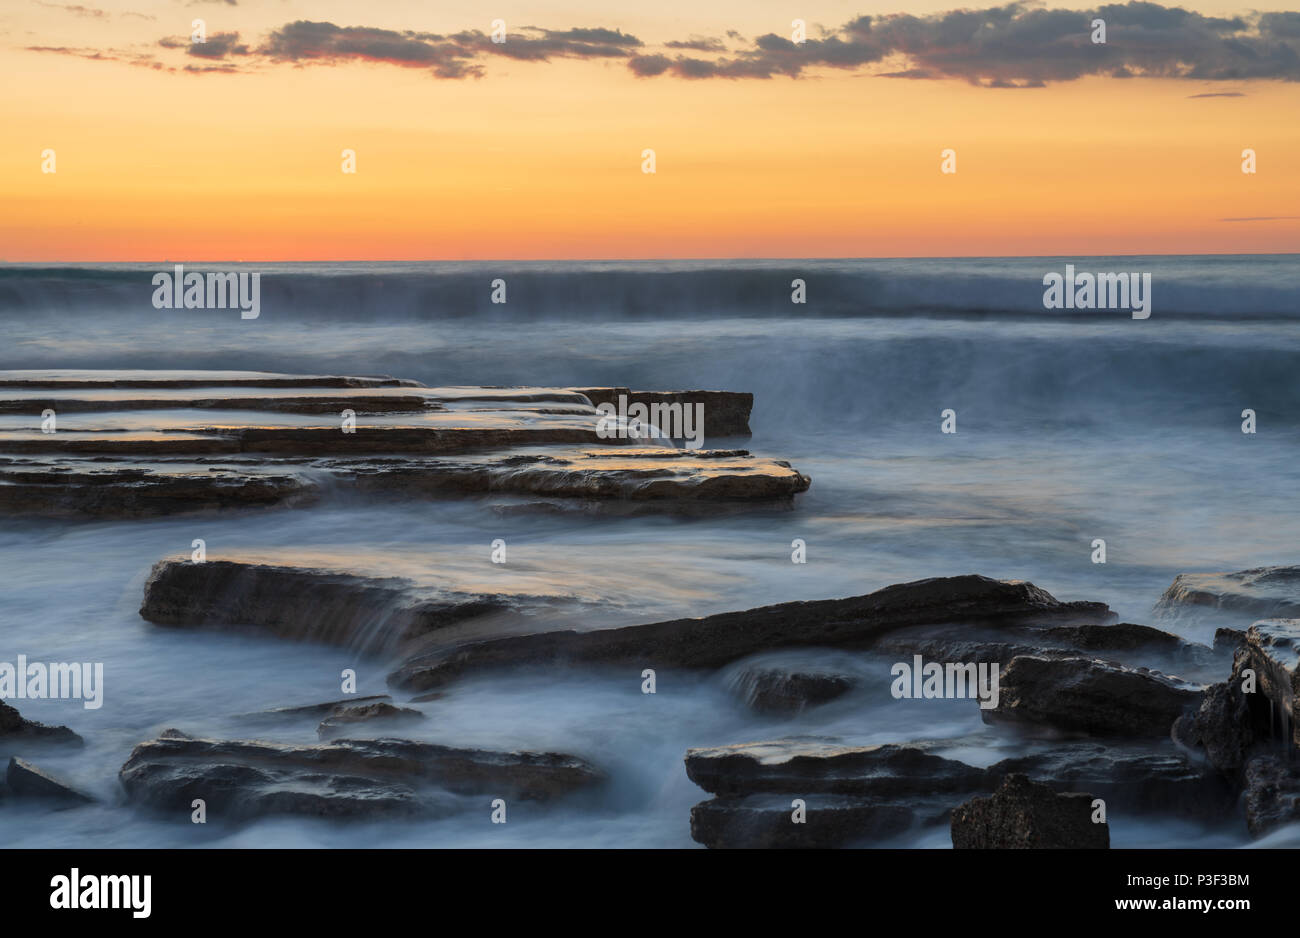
x,y
233,149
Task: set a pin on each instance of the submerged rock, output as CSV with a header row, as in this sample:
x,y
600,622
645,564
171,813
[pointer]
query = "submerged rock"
x,y
311,710
239,779
344,718
27,781
1025,814
786,690
1084,695
712,641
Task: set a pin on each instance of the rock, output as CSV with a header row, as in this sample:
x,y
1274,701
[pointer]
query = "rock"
x,y
371,613
726,413
869,793
1084,695
782,690
1126,643
1122,636
1024,814
766,821
128,444
1147,777
1262,592
1272,651
344,718
624,473
317,710
85,378
712,641
1224,726
28,781
241,779
136,482
1226,639
1272,794
65,489
15,728
811,765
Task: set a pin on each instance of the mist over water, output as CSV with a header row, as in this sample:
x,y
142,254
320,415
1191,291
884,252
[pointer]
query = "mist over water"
x,y
1070,428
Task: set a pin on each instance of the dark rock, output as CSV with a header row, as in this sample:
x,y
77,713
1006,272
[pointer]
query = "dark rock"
x,y
14,728
347,778
1122,636
825,766
27,781
1272,651
344,718
726,413
1224,726
1142,776
1084,695
312,710
1272,794
712,641
326,605
1226,639
1025,814
767,820
782,690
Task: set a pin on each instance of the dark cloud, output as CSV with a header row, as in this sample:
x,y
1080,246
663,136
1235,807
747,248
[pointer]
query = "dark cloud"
x,y
216,46
451,56
1024,46
1218,94
698,44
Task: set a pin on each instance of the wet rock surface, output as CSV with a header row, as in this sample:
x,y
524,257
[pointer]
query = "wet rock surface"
x,y
1023,814
15,729
788,690
875,792
1088,696
127,444
1257,593
25,780
712,641
345,718
1272,793
240,779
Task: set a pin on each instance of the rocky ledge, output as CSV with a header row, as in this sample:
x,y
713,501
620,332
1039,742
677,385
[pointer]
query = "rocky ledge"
x,y
241,779
129,444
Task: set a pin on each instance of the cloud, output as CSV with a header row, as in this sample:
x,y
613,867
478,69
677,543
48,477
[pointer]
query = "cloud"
x,y
1218,94
1015,45
448,56
1265,218
1022,45
698,44
74,9
216,46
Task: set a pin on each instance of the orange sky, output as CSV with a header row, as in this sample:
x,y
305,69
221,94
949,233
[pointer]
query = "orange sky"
x,y
543,159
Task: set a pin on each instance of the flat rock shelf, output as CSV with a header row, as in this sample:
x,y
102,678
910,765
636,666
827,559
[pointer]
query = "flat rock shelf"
x,y
122,444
